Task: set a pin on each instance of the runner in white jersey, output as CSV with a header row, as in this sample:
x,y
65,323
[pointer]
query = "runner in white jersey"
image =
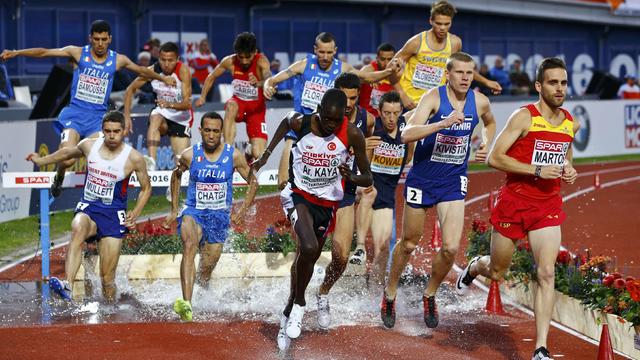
x,y
173,115
317,171
102,211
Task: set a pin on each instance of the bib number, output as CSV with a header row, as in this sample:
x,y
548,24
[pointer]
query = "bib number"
x,y
81,206
464,181
414,196
122,216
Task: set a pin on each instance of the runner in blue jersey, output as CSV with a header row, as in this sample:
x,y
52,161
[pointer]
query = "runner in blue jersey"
x,y
102,211
204,220
442,124
95,66
388,156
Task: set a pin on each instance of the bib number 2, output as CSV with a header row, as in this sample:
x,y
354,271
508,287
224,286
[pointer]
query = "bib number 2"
x,y
463,184
414,196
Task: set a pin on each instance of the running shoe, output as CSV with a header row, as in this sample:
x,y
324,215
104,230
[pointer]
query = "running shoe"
x,y
358,257
464,280
388,311
183,308
283,340
56,186
430,311
541,353
60,287
324,314
294,324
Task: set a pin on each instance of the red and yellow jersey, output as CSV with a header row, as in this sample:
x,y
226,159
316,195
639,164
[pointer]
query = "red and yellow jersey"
x,y
370,94
544,144
242,88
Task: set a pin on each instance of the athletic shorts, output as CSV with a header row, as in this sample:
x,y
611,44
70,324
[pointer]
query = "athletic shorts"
x,y
109,222
253,113
514,216
347,200
423,193
286,200
173,128
322,216
385,197
214,223
84,122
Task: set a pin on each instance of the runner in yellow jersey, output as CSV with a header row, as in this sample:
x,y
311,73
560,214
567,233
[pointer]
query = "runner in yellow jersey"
x,y
425,55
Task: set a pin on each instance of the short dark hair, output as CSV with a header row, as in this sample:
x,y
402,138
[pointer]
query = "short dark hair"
x,y
546,64
245,43
459,56
170,47
385,47
100,26
325,37
347,81
334,98
390,97
211,115
113,116
442,8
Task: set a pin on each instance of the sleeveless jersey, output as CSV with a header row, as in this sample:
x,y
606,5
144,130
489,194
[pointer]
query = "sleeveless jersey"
x,y
92,81
313,171
242,88
425,70
172,94
210,183
390,156
445,153
370,94
313,83
361,124
544,144
106,183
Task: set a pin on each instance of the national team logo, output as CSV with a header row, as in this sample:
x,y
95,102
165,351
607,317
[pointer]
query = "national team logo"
x,y
313,66
505,225
331,146
198,158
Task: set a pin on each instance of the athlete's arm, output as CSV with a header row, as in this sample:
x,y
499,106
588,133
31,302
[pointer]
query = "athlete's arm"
x,y
67,51
569,174
140,168
240,163
124,61
489,126
185,104
416,128
294,69
283,166
128,98
63,154
225,65
410,148
291,121
409,49
264,69
371,124
517,127
184,162
357,143
369,76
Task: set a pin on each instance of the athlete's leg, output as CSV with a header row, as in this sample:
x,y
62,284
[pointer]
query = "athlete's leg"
x,y
381,232
68,138
309,251
495,266
340,247
109,250
209,256
365,211
178,144
231,109
545,244
257,146
413,227
157,128
451,217
191,233
82,227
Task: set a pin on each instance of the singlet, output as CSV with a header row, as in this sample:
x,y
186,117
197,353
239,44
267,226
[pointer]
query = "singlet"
x,y
390,156
92,81
242,88
210,183
106,183
544,144
370,94
425,69
313,83
172,94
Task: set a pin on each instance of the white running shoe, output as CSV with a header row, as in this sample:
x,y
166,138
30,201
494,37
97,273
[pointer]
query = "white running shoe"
x,y
464,280
167,194
151,163
294,324
324,313
359,257
283,340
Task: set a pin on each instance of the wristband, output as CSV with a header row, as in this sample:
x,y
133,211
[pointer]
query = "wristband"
x,y
538,170
267,150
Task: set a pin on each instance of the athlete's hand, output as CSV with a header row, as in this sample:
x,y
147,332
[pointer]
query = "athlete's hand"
x,y
345,171
268,90
8,54
456,117
169,219
163,104
130,220
169,80
482,152
128,125
34,158
237,218
551,172
201,100
569,174
259,163
407,102
253,80
372,142
495,88
395,65
282,184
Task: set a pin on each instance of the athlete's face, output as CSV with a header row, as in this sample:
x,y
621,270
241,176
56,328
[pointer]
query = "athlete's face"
x,y
100,42
440,25
168,61
325,53
245,59
211,133
113,134
460,76
352,100
330,119
553,89
389,113
384,57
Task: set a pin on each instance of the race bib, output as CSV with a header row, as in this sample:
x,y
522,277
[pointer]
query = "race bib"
x,y
319,170
549,152
312,94
243,90
414,196
99,189
211,196
387,158
450,149
91,89
427,77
